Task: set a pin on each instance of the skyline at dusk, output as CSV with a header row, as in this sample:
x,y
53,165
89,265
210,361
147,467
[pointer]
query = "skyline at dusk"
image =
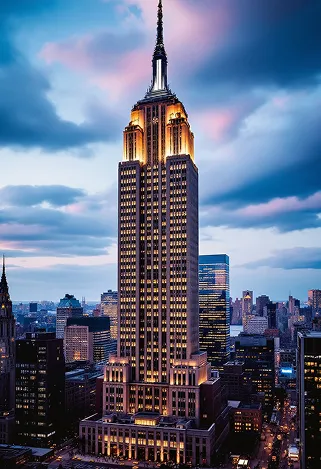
x,y
249,77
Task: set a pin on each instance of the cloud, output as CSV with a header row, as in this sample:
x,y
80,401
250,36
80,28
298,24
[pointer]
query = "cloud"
x,y
118,60
290,259
271,43
268,174
289,214
28,118
58,196
56,221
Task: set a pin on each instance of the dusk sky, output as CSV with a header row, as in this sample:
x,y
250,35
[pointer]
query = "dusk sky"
x,y
249,74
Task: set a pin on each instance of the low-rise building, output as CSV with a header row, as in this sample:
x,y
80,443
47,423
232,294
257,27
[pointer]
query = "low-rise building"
x,y
246,418
80,393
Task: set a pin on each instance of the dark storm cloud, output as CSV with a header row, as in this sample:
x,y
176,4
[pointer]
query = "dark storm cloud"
x,y
57,196
279,164
291,259
27,118
272,43
300,177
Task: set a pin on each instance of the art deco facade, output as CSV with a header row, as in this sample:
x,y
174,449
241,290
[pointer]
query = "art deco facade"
x,y
214,308
247,306
152,388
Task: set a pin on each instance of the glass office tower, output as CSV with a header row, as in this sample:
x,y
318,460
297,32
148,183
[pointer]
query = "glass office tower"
x,y
214,308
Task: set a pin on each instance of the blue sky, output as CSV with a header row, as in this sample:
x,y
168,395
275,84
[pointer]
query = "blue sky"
x,y
249,74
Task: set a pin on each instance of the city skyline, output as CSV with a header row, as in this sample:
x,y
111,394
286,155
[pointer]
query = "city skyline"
x,y
59,208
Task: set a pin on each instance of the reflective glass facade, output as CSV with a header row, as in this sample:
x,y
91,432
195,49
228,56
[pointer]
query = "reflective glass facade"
x,y
214,308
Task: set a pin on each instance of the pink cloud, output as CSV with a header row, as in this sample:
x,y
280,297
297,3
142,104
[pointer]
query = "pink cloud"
x,y
185,23
69,53
279,206
217,123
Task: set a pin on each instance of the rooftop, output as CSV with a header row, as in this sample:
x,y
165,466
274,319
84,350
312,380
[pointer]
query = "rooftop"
x,y
159,420
69,301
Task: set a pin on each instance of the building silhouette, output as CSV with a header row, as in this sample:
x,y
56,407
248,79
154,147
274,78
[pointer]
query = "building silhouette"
x,y
258,355
7,360
40,389
261,302
214,308
158,392
271,314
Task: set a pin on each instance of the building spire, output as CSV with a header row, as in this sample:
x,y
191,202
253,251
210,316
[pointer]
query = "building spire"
x,y
159,81
160,29
3,283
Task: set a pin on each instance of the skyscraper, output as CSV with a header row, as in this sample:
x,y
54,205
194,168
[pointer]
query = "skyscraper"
x,y
40,388
68,307
261,301
247,305
154,384
271,315
7,357
214,308
109,307
314,301
309,398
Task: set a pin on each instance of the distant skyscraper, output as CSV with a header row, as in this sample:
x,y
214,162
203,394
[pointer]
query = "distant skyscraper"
x,y
40,389
309,398
109,307
7,356
293,305
247,305
33,307
158,391
271,309
214,305
261,301
88,338
314,301
237,311
69,307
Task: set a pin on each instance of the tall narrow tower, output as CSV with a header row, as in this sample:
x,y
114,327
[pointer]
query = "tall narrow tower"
x,y
7,346
155,381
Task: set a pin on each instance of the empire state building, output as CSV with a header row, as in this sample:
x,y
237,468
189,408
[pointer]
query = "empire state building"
x,y
159,401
